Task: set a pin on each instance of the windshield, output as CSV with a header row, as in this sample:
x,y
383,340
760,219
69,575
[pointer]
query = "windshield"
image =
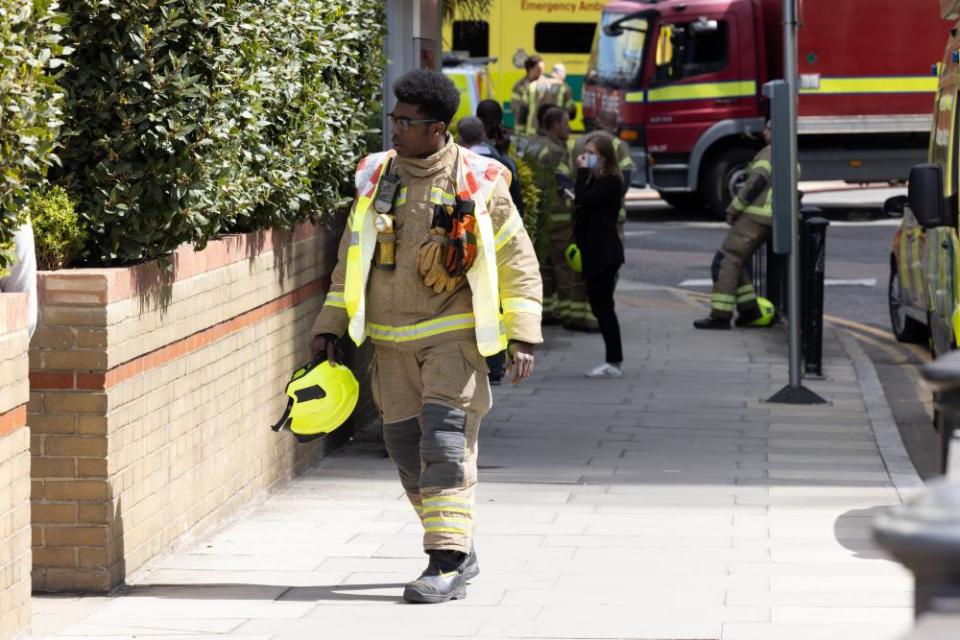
x,y
618,60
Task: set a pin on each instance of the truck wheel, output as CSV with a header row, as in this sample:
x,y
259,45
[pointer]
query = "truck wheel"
x,y
905,328
723,178
682,200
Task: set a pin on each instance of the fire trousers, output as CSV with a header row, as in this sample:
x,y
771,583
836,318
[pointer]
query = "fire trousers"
x,y
432,401
572,306
734,289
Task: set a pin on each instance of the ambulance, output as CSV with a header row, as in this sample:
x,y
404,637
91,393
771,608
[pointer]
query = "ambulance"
x,y
557,30
923,293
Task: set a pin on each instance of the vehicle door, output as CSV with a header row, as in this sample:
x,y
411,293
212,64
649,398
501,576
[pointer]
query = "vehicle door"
x,y
696,78
939,245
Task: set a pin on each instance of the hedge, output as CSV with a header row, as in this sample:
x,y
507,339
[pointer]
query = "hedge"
x,y
186,119
30,103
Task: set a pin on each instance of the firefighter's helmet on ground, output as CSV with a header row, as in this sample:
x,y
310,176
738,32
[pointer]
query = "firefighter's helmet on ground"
x,y
572,255
321,398
768,313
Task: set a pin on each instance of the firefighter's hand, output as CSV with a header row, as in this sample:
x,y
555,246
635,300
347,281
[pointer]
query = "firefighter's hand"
x,y
521,361
731,216
324,343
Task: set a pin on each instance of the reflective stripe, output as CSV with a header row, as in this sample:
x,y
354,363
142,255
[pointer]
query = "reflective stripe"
x,y
401,197
626,162
634,96
509,229
560,217
723,306
448,510
422,330
889,84
521,305
439,196
762,164
738,204
703,91
747,288
335,299
435,500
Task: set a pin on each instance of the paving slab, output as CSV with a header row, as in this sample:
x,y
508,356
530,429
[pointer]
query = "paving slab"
x,y
671,503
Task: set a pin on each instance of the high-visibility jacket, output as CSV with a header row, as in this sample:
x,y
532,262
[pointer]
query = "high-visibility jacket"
x,y
550,160
524,103
756,195
556,92
499,300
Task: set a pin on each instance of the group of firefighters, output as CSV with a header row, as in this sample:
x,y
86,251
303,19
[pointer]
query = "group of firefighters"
x,y
438,270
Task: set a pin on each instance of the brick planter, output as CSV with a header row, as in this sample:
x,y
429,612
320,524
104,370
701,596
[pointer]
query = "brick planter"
x,y
14,467
152,393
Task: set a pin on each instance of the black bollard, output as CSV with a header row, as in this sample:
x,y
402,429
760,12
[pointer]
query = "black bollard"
x,y
924,533
813,248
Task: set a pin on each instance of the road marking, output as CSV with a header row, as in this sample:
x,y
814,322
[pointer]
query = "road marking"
x,y
636,234
829,282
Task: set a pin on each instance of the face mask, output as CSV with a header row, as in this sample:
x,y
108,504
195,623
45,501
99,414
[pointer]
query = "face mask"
x,y
592,160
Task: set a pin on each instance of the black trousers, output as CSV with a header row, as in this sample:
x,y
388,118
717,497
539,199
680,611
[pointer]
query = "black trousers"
x,y
600,288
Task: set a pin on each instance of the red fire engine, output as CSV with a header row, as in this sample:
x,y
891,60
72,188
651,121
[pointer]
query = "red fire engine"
x,y
685,78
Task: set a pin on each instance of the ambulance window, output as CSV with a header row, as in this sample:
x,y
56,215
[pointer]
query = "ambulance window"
x,y
472,36
942,134
563,37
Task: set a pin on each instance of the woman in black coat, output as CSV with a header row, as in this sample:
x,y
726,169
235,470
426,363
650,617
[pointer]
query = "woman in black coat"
x,y
598,197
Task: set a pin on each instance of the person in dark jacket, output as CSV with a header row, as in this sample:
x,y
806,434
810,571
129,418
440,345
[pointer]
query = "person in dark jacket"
x,y
598,194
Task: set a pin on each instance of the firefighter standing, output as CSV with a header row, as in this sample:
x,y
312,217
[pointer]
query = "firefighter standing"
x,y
556,92
524,99
424,207
750,215
549,157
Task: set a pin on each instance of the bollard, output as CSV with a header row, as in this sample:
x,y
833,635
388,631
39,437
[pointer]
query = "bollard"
x,y
924,536
943,376
924,533
813,249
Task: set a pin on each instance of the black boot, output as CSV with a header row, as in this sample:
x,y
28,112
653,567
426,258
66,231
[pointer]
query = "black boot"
x,y
746,318
442,581
712,323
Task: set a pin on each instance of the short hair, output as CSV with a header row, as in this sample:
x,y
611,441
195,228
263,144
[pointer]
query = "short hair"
x,y
470,130
490,112
608,120
532,62
552,117
432,92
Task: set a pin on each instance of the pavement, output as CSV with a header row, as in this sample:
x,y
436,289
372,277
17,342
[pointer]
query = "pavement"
x,y
673,503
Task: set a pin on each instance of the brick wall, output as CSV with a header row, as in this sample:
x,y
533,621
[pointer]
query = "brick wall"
x,y
14,467
152,394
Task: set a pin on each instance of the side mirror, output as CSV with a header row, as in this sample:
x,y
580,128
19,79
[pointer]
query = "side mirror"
x,y
894,206
925,195
613,30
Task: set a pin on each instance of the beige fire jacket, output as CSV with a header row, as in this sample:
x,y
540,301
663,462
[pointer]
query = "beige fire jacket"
x,y
402,312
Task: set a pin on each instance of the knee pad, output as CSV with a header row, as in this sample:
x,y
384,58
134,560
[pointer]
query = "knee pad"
x,y
443,446
402,440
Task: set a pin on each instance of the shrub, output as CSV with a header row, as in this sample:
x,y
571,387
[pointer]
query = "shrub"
x,y
58,234
189,118
30,103
533,219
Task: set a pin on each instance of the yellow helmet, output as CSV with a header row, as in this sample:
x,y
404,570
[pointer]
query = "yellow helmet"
x,y
768,313
322,397
572,255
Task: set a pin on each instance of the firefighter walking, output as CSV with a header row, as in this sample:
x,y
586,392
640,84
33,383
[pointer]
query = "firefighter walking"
x,y
750,215
434,251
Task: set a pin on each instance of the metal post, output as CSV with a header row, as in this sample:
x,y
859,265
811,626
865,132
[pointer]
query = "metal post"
x,y
785,198
790,75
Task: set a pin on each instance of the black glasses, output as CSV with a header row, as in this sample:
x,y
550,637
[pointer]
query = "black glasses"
x,y
403,123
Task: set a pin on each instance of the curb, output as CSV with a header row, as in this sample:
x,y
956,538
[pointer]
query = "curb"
x,y
899,467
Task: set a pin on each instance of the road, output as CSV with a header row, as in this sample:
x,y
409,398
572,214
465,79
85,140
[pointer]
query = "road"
x,y
674,248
